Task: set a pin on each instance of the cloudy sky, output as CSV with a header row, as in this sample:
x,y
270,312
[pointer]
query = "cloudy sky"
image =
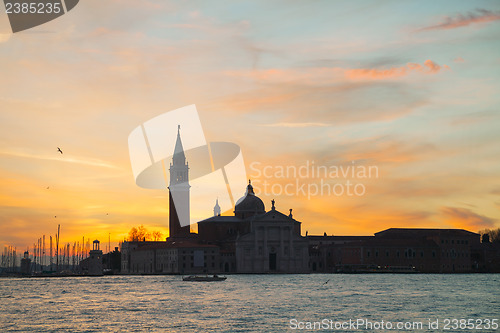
x,y
410,88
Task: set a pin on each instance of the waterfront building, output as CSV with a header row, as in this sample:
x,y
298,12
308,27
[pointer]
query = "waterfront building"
x,y
95,260
256,241
396,250
26,264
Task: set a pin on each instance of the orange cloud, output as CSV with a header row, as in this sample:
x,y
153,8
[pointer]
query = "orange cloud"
x,y
329,75
460,20
429,67
466,219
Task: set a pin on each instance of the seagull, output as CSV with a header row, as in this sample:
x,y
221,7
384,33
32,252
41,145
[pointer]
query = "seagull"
x,y
59,150
326,282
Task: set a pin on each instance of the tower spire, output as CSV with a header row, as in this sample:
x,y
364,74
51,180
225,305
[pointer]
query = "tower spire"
x,y
179,218
217,209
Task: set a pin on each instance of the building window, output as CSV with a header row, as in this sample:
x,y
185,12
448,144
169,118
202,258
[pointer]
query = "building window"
x,y
386,253
368,254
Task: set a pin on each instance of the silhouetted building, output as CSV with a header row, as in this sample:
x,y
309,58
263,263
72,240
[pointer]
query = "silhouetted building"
x,y
396,250
95,260
26,264
256,241
111,262
179,193
181,257
486,257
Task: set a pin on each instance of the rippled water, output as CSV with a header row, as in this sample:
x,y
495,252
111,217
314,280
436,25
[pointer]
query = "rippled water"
x,y
242,303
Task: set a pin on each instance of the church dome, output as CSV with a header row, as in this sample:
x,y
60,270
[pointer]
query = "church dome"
x,y
249,204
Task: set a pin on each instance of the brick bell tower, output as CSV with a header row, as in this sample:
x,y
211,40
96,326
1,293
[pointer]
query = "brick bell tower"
x,y
178,203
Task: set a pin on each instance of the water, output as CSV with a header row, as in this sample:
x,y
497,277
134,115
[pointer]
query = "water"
x,y
243,303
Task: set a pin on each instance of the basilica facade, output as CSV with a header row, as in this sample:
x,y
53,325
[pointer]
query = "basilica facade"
x,y
256,241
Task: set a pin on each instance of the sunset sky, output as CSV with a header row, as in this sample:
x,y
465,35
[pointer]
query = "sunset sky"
x,y
411,88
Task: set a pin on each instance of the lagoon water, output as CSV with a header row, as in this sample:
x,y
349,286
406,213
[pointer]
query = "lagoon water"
x,y
247,303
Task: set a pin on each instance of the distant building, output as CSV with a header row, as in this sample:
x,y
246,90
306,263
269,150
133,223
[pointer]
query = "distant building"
x,y
174,258
26,264
95,260
111,262
396,250
486,257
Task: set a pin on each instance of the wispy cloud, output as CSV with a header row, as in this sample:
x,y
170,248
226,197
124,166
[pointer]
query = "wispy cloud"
x,y
467,219
461,20
65,159
429,67
329,75
295,125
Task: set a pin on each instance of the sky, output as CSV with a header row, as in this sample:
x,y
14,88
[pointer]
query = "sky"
x,y
408,89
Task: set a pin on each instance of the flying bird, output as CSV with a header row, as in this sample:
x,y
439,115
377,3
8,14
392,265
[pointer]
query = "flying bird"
x,y
326,282
59,150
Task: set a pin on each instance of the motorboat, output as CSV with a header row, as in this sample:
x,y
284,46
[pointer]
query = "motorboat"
x,y
203,278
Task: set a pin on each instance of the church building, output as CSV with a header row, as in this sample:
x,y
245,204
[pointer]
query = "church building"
x,y
250,241
256,241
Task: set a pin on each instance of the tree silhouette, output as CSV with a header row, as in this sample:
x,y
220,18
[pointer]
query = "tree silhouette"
x,y
156,235
493,235
141,233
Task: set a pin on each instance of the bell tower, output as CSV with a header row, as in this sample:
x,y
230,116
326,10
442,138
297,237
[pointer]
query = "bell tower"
x,y
179,217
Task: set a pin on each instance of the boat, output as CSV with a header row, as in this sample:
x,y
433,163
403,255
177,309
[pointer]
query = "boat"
x,y
203,278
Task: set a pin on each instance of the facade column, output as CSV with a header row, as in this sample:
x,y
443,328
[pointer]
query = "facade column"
x,y
280,259
265,262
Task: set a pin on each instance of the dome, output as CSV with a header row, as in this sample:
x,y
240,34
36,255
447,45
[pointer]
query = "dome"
x,y
249,204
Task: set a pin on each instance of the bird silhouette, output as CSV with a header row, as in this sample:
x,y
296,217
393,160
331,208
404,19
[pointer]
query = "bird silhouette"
x,y
326,282
59,150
